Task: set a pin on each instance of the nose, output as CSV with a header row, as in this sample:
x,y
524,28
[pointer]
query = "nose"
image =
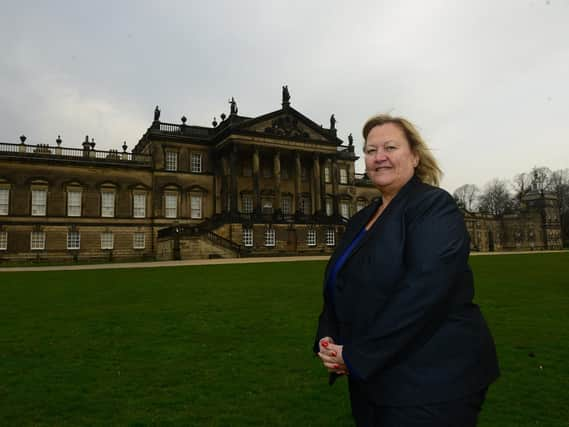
x,y
380,156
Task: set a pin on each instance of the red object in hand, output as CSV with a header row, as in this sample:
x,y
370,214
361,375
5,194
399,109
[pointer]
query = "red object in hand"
x,y
334,354
324,344
336,366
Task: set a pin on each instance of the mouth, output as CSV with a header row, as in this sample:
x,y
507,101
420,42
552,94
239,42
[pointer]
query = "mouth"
x,y
380,168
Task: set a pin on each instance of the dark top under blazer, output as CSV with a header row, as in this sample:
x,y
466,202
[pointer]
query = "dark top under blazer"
x,y
402,303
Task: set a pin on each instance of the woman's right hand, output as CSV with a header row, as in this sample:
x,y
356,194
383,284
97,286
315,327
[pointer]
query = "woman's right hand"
x,y
329,356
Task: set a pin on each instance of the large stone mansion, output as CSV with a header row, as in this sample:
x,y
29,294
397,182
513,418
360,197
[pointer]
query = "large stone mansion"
x,y
277,184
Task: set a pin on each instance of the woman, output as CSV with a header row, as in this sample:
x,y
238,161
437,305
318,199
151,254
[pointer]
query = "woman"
x,y
398,316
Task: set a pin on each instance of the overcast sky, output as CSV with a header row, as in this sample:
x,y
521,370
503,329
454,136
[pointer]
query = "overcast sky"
x,y
486,82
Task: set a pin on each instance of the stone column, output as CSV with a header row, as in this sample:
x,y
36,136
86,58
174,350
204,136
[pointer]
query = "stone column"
x,y
335,180
323,184
224,183
316,183
256,190
297,175
233,179
277,173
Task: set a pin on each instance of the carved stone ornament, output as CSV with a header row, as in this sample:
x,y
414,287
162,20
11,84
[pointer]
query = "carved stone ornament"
x,y
286,126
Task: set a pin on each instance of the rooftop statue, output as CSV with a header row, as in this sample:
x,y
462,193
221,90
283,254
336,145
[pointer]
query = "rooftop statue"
x,y
233,109
286,96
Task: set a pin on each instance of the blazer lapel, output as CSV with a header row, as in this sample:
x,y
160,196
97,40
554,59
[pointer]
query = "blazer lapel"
x,y
350,234
392,207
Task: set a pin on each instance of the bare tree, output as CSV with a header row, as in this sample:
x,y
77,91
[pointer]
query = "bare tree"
x,y
522,185
495,198
466,196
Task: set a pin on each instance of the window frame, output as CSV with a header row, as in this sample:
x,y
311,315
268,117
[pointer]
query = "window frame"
x,y
305,205
199,197
311,237
171,161
36,240
247,237
327,175
196,167
105,245
108,211
270,237
73,240
135,196
74,190
36,205
344,205
288,210
270,205
170,195
343,176
3,240
329,206
138,234
247,203
4,206
330,237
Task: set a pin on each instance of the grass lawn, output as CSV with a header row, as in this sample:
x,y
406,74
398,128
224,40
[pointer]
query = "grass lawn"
x,y
230,345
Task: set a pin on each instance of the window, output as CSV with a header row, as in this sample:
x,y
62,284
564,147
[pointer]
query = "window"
x,y
267,171
284,172
4,201
286,203
343,176
171,205
37,240
196,206
107,241
246,203
73,240
39,202
345,209
329,207
248,237
196,163
330,237
311,237
303,174
74,203
3,240
171,161
247,171
138,240
139,205
327,176
267,205
108,203
269,237
360,205
305,207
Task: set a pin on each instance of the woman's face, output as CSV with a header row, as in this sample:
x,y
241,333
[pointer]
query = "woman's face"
x,y
390,163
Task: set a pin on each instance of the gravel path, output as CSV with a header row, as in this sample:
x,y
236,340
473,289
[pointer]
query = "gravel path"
x,y
154,264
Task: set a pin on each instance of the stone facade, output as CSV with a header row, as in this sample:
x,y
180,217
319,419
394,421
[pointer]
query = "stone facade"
x,y
277,184
535,226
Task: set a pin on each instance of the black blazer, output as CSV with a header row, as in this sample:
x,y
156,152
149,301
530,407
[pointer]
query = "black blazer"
x,y
402,303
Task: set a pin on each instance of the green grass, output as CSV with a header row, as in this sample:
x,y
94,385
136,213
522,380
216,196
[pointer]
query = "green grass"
x,y
230,345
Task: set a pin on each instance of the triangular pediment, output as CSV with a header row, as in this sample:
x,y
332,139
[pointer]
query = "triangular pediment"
x,y
289,123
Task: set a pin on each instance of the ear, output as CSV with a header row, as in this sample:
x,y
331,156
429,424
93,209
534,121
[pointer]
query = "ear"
x,y
415,160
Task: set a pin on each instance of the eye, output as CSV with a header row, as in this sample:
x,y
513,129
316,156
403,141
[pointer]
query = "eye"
x,y
370,151
390,148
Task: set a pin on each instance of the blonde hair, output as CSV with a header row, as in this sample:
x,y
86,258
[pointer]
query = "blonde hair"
x,y
428,169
